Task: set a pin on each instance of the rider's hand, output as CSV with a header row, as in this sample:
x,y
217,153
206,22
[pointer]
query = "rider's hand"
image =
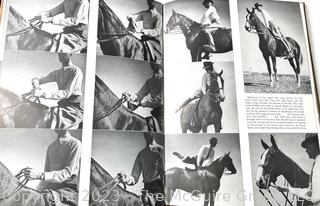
x,y
35,83
123,177
37,92
33,174
45,19
44,13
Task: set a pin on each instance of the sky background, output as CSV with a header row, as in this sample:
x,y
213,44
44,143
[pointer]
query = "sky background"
x,y
289,144
117,151
175,49
19,67
182,80
189,144
287,16
20,148
124,75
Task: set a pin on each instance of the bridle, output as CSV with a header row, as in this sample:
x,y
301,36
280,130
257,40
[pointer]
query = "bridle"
x,y
110,186
251,26
20,185
212,94
122,100
32,26
115,36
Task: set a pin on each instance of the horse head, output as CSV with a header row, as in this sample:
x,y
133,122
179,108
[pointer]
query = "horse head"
x,y
228,163
172,22
253,22
217,89
178,19
269,165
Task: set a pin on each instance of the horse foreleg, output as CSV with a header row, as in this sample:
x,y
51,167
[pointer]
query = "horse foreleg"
x,y
217,127
194,55
211,199
274,65
206,199
266,58
296,70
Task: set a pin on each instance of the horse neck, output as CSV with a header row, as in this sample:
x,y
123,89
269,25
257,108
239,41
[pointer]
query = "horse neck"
x,y
185,24
217,167
292,172
8,181
263,32
16,21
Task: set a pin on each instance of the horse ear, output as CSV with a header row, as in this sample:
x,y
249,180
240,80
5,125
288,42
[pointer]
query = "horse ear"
x,y
173,11
220,73
248,10
264,145
253,10
274,142
228,154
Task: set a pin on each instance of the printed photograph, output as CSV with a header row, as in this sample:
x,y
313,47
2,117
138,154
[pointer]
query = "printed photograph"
x,y
131,28
128,95
47,25
197,30
203,169
285,169
274,47
132,170
39,167
201,97
46,93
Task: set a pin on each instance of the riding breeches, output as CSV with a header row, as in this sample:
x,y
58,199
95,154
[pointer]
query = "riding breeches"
x,y
197,94
276,32
153,193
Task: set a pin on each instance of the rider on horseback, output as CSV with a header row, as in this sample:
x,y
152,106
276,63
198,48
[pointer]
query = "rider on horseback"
x,y
268,21
150,95
207,83
211,21
75,23
69,95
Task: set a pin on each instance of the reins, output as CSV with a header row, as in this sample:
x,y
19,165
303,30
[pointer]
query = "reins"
x,y
117,36
114,182
25,30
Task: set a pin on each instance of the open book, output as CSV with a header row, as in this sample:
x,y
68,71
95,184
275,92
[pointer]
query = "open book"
x,y
185,103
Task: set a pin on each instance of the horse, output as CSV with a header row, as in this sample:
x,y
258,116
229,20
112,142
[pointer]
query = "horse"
x,y
15,112
195,37
22,35
270,46
14,193
274,163
207,180
109,113
206,111
105,190
115,40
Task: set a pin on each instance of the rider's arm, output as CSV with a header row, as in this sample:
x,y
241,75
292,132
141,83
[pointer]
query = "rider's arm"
x,y
204,83
51,77
144,91
74,84
72,162
80,15
136,171
156,31
56,10
136,17
200,155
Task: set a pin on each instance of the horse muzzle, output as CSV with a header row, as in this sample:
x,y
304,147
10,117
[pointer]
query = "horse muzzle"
x,y
247,28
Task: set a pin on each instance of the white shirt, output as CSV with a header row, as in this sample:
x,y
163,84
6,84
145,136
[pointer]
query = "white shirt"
x,y
265,17
312,193
203,153
211,16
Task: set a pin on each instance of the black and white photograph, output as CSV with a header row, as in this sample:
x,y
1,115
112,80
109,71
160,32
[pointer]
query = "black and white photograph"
x,y
131,29
128,95
46,93
127,168
39,167
203,169
47,25
201,97
274,48
197,30
285,168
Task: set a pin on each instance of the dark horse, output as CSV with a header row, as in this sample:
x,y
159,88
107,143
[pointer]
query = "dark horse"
x,y
104,192
195,37
206,111
12,194
30,39
120,118
273,47
17,113
207,180
116,40
275,163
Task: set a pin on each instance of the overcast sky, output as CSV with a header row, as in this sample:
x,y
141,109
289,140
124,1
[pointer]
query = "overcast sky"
x,y
189,144
117,151
289,144
20,148
287,16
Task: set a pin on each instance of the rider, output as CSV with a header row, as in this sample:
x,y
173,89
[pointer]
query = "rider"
x,y
61,170
75,22
152,26
149,162
268,21
151,95
205,84
204,157
211,21
312,193
69,80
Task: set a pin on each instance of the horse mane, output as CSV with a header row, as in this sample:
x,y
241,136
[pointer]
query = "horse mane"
x,y
8,181
20,19
107,16
10,95
259,22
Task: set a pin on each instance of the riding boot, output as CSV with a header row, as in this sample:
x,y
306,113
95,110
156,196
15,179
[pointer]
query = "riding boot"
x,y
211,46
185,103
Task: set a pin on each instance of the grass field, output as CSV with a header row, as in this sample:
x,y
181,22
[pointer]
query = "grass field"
x,y
259,83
